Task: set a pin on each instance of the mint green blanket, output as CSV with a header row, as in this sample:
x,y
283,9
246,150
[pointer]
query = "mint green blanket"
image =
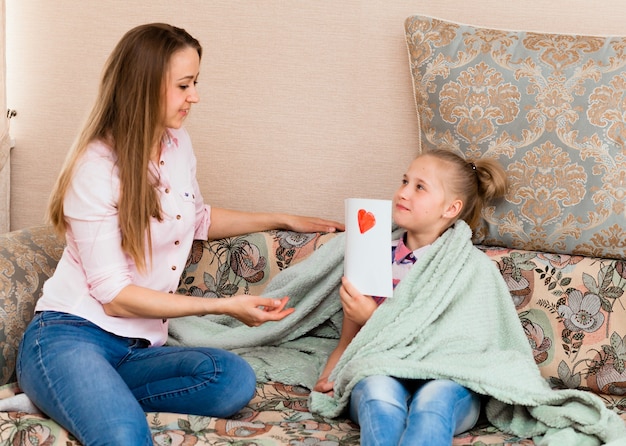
x,y
452,317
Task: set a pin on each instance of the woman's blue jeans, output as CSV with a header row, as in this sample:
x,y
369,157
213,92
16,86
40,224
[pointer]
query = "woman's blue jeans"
x,y
394,412
98,385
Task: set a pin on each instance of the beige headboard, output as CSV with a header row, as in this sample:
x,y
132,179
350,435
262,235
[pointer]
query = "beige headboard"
x,y
304,103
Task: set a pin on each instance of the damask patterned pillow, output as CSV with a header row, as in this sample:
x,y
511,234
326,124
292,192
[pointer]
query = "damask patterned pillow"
x,y
551,108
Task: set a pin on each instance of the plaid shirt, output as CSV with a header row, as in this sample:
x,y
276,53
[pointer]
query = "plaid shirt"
x,y
402,259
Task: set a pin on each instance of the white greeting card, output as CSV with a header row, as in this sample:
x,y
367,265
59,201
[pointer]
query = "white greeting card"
x,y
367,263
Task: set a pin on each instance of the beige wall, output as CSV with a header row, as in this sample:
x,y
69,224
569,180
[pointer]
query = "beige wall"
x,y
304,103
5,145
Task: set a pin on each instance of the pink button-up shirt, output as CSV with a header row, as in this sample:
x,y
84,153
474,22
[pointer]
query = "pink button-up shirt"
x,y
94,268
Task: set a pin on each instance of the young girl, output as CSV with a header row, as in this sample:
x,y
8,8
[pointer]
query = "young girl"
x,y
129,205
438,189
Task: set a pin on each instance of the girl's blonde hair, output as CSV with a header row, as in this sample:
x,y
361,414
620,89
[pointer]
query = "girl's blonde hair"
x,y
475,182
128,116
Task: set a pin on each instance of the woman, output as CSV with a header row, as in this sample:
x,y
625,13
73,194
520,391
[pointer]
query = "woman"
x,y
129,205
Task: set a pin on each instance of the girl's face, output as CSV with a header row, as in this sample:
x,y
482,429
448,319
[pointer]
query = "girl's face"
x,y
423,205
180,86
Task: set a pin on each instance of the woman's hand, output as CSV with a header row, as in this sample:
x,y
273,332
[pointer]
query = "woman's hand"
x,y
135,301
254,310
356,306
299,223
229,223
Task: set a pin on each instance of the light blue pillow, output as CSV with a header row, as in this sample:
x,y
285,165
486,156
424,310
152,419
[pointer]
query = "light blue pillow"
x,y
551,108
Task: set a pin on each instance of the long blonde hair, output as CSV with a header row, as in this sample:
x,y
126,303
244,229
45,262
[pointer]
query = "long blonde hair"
x,y
128,116
476,182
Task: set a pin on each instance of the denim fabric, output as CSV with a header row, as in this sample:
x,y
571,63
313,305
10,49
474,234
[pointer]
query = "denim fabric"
x,y
395,412
98,385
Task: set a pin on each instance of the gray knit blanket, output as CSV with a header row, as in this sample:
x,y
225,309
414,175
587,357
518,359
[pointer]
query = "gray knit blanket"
x,y
451,318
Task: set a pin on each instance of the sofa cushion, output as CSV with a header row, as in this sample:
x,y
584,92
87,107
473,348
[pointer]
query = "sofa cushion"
x,y
572,310
550,108
244,264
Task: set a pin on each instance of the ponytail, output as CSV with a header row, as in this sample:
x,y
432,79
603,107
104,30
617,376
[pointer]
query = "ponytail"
x,y
476,182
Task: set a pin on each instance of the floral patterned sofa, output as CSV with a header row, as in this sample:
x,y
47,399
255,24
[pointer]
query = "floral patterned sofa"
x,y
571,308
551,109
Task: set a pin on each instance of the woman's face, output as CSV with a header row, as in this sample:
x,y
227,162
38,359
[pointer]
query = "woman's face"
x,y
180,86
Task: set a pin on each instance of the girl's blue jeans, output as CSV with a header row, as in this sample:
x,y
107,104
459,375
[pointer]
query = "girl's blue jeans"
x,y
98,385
394,412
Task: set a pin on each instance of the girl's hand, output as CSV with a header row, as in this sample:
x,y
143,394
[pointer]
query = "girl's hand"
x,y
254,310
299,223
356,306
324,386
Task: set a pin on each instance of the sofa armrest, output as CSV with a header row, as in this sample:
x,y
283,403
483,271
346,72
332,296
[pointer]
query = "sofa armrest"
x,y
27,258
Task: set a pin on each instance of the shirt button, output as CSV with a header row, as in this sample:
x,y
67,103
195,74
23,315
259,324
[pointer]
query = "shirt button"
x,y
171,292
173,267
162,162
177,242
178,217
167,191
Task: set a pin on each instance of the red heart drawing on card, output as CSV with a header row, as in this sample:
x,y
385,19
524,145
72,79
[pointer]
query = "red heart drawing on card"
x,y
366,220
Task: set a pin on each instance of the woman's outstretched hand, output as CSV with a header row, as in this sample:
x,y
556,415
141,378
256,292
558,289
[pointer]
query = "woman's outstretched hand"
x,y
299,223
229,223
255,310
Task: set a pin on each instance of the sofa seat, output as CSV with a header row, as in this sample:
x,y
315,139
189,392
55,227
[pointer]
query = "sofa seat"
x,y
277,415
566,354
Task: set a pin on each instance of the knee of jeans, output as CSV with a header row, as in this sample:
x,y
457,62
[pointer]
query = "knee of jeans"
x,y
246,383
441,390
379,388
449,399
468,415
380,395
240,380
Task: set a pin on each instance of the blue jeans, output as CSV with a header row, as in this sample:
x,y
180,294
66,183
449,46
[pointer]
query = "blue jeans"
x,y
98,385
393,412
